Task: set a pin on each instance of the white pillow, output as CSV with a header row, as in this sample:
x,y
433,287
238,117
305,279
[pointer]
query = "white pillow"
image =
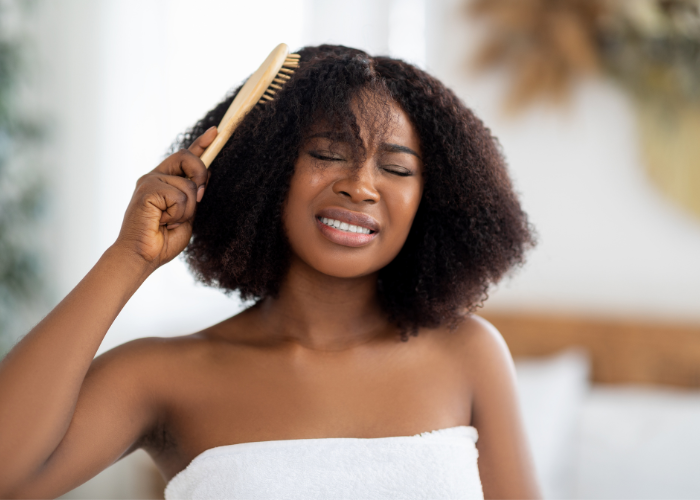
x,y
640,442
552,392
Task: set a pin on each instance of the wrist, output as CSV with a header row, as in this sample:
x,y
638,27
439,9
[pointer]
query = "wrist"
x,y
130,261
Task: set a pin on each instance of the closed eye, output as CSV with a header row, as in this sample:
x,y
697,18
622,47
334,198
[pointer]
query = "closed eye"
x,y
323,156
396,170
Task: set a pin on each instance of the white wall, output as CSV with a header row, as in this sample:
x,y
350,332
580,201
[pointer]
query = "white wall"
x,y
69,52
360,24
610,244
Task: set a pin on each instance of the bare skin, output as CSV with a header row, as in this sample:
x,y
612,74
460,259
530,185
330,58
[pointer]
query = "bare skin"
x,y
320,360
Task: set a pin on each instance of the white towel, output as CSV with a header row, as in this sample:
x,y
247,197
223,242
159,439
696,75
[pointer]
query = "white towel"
x,y
440,464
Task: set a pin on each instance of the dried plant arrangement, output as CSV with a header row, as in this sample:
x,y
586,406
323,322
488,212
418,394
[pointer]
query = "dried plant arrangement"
x,y
546,45
650,47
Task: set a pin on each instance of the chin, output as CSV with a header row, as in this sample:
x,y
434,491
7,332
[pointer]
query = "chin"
x,y
344,267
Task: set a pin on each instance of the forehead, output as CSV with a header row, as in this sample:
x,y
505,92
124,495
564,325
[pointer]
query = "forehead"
x,y
379,120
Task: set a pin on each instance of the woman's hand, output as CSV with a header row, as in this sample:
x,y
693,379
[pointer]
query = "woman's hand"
x,y
158,222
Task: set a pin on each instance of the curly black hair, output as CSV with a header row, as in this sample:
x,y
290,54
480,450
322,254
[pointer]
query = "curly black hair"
x,y
469,229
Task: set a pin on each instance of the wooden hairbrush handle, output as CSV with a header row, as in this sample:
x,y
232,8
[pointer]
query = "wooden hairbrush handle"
x,y
260,87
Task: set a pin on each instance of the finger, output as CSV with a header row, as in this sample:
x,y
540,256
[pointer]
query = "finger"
x,y
200,190
201,142
173,211
184,164
179,234
186,186
170,203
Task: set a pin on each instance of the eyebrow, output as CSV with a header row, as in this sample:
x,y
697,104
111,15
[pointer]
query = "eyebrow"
x,y
387,147
396,148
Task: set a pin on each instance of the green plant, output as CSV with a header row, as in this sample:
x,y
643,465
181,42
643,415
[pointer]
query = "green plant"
x,y
21,189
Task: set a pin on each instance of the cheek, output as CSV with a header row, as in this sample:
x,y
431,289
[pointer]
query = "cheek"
x,y
309,181
294,205
402,205
306,185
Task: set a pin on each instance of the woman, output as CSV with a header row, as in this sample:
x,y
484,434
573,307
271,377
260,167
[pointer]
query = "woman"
x,y
364,212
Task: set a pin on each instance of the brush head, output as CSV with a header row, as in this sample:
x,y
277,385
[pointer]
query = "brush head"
x,y
260,88
290,63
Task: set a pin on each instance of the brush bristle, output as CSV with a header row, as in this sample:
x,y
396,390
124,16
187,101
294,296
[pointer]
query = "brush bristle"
x,y
291,62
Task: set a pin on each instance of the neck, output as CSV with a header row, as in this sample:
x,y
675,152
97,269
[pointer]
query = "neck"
x,y
321,312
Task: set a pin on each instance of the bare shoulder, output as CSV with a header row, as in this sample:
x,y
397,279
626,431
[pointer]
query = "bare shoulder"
x,y
138,375
478,344
150,353
141,355
158,371
476,330
505,465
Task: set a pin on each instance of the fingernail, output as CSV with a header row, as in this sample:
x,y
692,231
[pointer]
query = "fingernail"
x,y
212,127
200,193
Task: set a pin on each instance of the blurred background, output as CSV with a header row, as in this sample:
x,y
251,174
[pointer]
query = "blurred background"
x,y
596,104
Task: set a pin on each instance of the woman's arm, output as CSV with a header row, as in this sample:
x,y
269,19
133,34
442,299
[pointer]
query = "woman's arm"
x,y
505,463
43,378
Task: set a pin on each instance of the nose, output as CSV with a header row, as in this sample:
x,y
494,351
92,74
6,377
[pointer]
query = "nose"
x,y
357,185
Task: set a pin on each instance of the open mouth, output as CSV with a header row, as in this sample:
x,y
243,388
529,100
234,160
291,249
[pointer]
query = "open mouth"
x,y
344,226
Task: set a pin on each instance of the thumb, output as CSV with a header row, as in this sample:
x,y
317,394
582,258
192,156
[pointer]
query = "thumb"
x,y
201,142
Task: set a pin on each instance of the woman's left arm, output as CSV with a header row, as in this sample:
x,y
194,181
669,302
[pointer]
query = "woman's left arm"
x,y
505,463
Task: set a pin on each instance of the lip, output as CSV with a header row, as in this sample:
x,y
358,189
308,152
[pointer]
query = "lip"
x,y
355,218
345,238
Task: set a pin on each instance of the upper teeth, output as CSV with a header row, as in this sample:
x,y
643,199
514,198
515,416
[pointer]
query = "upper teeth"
x,y
344,226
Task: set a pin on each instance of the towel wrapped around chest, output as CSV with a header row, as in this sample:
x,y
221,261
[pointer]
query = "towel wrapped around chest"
x,y
440,464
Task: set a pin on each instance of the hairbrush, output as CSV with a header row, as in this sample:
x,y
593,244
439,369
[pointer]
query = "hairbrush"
x,y
260,88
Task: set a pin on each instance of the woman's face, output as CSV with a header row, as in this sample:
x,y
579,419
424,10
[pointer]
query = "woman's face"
x,y
347,217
